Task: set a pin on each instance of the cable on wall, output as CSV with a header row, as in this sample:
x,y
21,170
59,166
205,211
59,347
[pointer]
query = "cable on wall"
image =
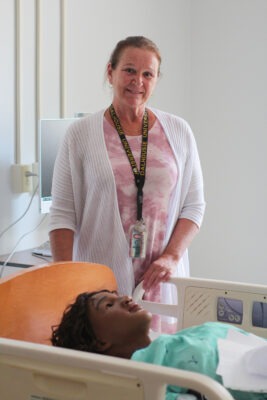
x,y
16,245
24,213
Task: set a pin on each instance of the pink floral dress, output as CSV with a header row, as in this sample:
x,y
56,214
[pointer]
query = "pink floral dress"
x,y
161,178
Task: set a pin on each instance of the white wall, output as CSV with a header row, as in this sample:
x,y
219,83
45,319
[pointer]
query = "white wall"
x,y
228,114
20,109
213,74
47,88
95,28
13,205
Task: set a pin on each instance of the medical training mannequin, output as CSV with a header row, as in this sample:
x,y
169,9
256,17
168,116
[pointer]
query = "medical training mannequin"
x,y
104,322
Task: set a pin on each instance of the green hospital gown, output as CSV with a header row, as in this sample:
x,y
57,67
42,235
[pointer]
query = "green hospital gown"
x,y
192,349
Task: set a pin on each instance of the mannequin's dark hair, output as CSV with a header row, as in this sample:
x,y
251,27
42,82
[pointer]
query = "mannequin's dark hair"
x,y
139,42
75,330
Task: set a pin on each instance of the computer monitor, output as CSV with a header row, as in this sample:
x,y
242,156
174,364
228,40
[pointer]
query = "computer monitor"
x,y
51,133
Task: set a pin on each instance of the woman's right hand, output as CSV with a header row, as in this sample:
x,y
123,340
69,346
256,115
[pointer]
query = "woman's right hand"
x,y
159,270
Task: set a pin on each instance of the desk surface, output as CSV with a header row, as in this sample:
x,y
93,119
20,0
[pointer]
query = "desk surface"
x,y
19,261
24,258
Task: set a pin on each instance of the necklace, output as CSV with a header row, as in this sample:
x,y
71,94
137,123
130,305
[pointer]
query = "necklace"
x,y
130,128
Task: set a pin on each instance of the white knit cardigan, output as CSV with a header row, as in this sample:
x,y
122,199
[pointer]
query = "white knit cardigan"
x,y
84,197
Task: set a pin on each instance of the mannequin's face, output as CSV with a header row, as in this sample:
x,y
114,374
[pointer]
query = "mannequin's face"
x,y
117,320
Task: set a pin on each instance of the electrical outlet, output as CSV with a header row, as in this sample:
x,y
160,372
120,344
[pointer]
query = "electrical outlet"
x,y
35,177
22,178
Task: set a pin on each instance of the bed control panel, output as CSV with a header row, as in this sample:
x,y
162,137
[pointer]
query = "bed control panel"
x,y
229,310
259,314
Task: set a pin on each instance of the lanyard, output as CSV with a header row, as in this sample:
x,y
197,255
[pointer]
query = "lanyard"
x,y
140,175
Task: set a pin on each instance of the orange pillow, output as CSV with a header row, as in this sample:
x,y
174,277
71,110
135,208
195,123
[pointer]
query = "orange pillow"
x,y
33,300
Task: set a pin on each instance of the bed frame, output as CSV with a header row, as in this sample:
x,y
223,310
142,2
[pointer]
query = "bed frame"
x,y
202,300
30,371
33,371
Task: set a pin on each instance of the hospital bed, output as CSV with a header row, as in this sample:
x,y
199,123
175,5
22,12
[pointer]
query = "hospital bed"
x,y
30,369
202,300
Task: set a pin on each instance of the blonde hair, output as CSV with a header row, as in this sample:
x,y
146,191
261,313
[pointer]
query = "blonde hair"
x,y
139,42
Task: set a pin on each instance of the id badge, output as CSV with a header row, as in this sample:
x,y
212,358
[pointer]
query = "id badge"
x,y
138,240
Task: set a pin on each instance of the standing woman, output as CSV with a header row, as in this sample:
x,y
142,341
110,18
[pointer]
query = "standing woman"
x,y
127,187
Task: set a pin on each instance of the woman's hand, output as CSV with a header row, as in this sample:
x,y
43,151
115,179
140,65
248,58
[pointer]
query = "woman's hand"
x,y
159,271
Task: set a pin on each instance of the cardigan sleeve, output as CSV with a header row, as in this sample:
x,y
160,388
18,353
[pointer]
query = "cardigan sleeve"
x,y
188,200
62,212
192,194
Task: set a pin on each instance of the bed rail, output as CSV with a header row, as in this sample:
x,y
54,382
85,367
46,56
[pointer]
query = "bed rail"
x,y
202,300
30,371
